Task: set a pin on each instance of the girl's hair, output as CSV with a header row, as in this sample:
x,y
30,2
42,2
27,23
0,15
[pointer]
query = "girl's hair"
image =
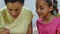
x,y
53,3
13,1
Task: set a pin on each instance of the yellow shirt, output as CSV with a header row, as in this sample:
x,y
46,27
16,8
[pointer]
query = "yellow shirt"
x,y
16,26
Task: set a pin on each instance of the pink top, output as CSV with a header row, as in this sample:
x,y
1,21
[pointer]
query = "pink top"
x,y
51,28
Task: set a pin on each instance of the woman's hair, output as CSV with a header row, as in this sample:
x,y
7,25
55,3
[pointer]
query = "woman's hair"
x,y
53,3
13,1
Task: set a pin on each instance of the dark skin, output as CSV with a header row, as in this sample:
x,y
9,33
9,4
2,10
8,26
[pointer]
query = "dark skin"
x,y
14,10
29,31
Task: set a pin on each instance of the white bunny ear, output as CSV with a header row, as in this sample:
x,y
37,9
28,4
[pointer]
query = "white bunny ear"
x,y
52,2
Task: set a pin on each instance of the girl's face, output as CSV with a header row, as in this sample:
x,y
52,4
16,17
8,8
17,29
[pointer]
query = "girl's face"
x,y
14,9
42,8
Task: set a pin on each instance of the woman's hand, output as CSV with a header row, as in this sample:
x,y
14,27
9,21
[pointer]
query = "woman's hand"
x,y
4,31
29,31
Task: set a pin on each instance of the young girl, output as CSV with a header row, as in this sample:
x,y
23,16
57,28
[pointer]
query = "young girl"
x,y
47,23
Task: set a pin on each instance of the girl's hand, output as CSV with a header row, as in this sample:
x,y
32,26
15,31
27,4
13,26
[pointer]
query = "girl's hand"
x,y
4,31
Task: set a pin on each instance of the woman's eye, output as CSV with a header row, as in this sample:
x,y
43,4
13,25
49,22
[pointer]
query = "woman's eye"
x,y
10,9
16,9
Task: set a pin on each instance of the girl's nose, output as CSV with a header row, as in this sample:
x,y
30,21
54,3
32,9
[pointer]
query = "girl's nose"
x,y
38,11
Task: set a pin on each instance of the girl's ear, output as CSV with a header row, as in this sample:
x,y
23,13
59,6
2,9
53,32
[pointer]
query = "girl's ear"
x,y
50,8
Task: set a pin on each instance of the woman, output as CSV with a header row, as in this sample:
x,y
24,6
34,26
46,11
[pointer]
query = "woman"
x,y
15,18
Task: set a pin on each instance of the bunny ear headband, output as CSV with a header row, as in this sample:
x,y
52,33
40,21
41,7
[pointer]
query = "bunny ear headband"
x,y
52,2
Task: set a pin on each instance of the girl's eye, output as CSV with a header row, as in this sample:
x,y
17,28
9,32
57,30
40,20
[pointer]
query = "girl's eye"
x,y
41,8
36,7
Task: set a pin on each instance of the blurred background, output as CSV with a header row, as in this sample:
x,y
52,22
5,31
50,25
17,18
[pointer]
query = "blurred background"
x,y
30,4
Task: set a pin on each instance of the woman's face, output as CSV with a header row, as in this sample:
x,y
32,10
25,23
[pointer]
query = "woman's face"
x,y
14,9
42,8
